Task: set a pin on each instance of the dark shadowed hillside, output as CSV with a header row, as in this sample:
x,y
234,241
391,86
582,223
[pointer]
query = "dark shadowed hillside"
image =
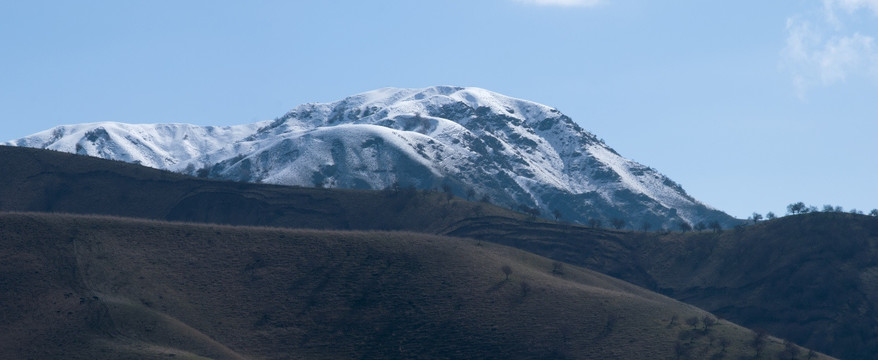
x,y
49,181
809,278
806,278
111,288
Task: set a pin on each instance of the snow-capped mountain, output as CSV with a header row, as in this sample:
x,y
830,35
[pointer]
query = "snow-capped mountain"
x,y
477,143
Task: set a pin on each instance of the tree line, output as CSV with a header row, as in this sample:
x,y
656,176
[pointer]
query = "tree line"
x,y
797,208
801,208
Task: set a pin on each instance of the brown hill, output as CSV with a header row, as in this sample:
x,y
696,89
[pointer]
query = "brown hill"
x,y
813,292
810,278
112,288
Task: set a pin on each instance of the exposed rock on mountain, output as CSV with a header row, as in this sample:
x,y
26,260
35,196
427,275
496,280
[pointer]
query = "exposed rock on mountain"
x,y
473,142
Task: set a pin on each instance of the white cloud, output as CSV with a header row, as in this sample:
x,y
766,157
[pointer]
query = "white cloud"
x,y
851,5
563,3
821,51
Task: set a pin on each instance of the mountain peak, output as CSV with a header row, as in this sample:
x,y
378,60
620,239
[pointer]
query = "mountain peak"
x,y
471,141
427,100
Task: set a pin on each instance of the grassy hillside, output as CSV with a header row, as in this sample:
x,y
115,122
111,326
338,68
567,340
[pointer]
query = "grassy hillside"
x,y
112,288
822,295
810,278
49,181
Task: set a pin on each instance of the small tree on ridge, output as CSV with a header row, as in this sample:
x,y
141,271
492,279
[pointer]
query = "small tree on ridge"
x,y
506,270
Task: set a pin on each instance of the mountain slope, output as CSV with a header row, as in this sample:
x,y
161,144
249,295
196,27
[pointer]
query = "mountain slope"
x,y
112,288
753,275
51,181
165,146
812,278
474,142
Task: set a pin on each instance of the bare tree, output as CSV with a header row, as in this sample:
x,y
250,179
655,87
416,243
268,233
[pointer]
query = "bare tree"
x,y
595,223
617,223
684,226
757,217
874,212
715,226
770,216
700,226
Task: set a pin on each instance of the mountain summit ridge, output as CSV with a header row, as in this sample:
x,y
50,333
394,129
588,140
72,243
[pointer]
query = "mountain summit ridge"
x,y
473,142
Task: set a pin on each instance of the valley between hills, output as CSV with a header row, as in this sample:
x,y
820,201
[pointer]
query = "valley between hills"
x,y
105,259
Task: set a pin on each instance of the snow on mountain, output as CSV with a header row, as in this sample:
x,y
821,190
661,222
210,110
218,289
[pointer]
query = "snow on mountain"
x,y
165,146
475,142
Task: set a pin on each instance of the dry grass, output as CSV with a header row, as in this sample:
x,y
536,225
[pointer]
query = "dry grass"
x,y
795,277
99,287
809,278
49,181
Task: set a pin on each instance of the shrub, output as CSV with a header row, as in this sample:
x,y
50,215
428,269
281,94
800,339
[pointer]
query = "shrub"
x,y
692,321
708,321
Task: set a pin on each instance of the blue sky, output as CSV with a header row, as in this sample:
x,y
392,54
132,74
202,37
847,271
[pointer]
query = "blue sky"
x,y
749,105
